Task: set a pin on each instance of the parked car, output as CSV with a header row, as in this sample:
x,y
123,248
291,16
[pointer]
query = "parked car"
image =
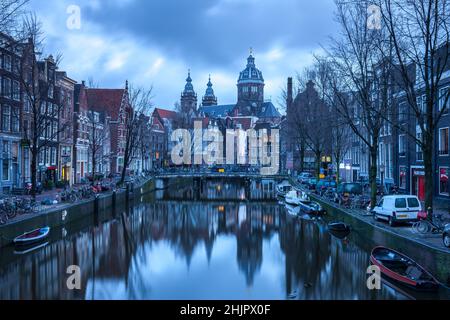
x,y
398,208
446,236
304,177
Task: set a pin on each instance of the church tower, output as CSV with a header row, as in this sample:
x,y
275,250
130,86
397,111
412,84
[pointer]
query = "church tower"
x,y
250,89
189,98
209,99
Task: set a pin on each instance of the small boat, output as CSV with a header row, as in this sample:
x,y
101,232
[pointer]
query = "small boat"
x,y
292,198
403,269
32,236
311,207
283,188
339,227
22,250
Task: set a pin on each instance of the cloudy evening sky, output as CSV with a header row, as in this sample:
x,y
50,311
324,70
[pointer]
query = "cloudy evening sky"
x,y
155,42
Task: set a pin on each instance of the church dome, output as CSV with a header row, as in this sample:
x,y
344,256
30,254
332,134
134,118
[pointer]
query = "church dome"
x,y
251,74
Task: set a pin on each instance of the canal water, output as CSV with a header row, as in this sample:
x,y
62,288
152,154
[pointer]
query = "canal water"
x,y
214,240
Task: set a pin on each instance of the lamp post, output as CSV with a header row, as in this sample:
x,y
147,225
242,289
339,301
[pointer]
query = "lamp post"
x,y
382,177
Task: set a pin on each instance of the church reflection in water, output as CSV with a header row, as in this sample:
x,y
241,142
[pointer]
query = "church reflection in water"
x,y
175,246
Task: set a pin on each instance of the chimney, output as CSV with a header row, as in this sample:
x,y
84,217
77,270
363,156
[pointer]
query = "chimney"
x,y
289,98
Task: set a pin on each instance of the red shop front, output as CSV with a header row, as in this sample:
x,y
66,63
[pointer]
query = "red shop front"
x,y
418,182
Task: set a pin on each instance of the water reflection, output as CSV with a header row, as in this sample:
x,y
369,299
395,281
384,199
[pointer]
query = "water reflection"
x,y
191,249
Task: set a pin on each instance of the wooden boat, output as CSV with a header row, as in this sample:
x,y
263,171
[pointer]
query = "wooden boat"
x,y
403,269
339,227
32,236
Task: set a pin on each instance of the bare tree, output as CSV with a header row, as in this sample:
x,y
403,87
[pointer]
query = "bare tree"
x,y
11,12
358,74
40,95
98,138
140,102
419,33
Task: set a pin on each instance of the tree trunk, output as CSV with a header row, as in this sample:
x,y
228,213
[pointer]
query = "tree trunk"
x,y
302,158
428,164
337,162
33,173
93,167
318,158
373,174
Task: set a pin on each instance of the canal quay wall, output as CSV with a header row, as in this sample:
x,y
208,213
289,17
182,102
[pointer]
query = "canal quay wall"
x,y
426,250
67,214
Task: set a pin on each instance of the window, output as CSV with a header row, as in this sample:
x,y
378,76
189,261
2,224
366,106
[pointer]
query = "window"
x,y
245,89
402,178
7,87
254,89
443,181
6,118
7,62
402,145
413,203
443,99
53,156
50,91
16,90
400,203
402,112
26,104
54,130
443,141
15,120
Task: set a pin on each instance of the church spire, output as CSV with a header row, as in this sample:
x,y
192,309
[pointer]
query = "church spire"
x,y
209,98
189,88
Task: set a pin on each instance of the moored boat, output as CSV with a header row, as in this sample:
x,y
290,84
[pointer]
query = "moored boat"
x,y
311,207
283,188
403,269
292,198
31,237
339,227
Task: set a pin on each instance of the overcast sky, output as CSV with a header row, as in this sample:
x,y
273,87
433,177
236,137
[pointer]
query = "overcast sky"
x,y
155,42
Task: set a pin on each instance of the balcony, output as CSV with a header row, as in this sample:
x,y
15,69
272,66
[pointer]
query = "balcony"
x,y
443,152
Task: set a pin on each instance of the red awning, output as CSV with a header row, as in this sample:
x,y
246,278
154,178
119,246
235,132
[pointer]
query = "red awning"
x,y
51,168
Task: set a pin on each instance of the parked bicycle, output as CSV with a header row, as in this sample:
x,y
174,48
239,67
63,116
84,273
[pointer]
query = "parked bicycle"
x,y
434,226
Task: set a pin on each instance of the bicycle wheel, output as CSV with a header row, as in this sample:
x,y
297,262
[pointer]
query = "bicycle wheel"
x,y
422,227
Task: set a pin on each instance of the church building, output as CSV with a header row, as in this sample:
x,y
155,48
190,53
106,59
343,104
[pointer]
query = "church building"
x,y
250,99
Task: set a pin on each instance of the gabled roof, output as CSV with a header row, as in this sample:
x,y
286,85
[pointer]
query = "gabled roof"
x,y
108,100
166,114
269,111
217,111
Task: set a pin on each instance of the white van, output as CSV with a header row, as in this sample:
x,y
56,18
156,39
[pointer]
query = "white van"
x,y
398,208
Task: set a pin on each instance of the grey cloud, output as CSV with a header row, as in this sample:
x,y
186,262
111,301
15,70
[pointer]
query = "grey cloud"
x,y
185,29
